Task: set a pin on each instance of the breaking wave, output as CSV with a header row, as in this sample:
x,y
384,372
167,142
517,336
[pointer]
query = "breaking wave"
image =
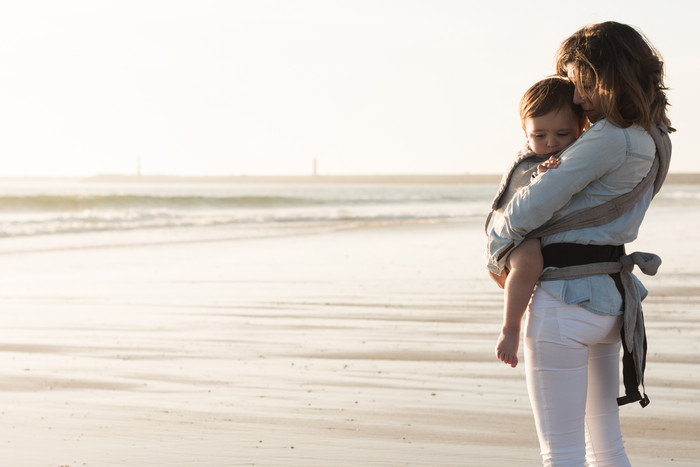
x,y
79,209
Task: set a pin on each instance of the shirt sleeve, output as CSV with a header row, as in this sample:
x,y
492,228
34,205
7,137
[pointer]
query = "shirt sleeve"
x,y
595,153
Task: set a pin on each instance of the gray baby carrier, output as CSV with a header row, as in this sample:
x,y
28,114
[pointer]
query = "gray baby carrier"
x,y
634,341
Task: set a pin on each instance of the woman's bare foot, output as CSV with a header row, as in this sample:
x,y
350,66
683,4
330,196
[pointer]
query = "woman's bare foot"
x,y
507,348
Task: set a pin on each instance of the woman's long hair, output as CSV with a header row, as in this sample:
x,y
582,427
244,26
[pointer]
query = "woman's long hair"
x,y
621,64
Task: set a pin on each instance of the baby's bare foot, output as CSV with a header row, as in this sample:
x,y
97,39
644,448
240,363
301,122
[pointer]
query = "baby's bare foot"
x,y
507,348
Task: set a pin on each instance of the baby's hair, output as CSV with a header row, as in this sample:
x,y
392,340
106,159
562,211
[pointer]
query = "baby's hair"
x,y
547,95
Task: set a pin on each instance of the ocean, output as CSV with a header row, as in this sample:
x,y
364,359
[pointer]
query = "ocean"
x,y
85,213
207,324
40,209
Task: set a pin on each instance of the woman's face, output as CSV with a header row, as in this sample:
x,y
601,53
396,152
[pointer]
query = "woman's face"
x,y
590,102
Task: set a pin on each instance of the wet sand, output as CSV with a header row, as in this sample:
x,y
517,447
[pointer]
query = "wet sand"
x,y
369,347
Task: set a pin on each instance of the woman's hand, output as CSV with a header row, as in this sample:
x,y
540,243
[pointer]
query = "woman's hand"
x,y
500,279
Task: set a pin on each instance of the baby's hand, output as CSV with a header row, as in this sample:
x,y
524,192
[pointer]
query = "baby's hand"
x,y
551,163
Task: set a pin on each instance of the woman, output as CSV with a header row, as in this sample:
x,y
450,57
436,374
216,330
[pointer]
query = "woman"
x,y
572,339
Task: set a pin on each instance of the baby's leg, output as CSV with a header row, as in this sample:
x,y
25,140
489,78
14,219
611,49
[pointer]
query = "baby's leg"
x,y
525,268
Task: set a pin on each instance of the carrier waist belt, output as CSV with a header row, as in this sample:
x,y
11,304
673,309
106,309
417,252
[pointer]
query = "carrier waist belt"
x,y
561,255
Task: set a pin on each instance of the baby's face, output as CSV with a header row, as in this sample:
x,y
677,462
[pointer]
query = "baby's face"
x,y
552,132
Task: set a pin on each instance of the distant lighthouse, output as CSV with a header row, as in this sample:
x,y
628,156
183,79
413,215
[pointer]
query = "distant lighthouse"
x,y
315,167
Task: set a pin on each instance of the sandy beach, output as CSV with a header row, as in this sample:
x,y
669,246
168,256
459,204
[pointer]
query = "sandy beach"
x,y
358,347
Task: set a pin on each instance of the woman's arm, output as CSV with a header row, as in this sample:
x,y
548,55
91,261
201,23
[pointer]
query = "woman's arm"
x,y
600,150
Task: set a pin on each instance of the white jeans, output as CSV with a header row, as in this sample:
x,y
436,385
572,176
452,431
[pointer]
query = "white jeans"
x,y
572,367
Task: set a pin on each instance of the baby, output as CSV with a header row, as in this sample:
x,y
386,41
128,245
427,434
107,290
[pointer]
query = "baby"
x,y
551,122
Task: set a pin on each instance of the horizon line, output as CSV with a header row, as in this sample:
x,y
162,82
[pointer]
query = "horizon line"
x,y
672,178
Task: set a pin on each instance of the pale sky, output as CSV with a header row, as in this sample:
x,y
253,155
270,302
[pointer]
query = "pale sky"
x,y
252,87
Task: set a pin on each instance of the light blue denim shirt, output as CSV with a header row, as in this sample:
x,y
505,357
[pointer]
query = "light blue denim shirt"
x,y
605,162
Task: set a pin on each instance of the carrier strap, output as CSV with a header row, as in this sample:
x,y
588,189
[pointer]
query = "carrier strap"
x,y
611,210
634,340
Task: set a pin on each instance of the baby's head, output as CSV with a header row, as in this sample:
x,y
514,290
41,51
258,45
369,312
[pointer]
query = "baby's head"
x,y
551,120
